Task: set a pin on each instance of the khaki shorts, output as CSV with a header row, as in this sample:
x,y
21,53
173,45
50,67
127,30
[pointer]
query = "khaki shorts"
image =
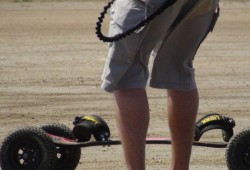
x,y
171,39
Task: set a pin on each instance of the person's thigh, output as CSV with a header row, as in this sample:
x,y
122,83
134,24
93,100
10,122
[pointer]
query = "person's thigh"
x,y
173,64
126,66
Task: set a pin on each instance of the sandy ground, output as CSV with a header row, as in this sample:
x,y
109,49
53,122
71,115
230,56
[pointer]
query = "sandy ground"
x,y
50,67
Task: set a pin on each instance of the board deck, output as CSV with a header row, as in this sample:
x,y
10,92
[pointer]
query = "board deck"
x,y
60,141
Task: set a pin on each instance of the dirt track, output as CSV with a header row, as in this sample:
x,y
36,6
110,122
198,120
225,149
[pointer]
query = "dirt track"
x,y
50,67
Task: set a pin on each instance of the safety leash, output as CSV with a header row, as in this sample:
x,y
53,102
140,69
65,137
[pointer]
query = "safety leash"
x,y
117,37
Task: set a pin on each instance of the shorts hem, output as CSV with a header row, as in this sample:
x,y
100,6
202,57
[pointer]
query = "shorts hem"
x,y
107,87
131,85
173,86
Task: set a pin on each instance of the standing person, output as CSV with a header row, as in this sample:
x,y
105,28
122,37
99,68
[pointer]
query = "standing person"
x,y
174,36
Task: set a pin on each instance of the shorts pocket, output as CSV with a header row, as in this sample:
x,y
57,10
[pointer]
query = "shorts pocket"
x,y
129,13
125,15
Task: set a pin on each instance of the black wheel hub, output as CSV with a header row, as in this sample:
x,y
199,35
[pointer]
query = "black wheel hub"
x,y
27,155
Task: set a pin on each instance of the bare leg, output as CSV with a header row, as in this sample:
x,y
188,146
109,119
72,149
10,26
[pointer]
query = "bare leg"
x,y
182,111
132,113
